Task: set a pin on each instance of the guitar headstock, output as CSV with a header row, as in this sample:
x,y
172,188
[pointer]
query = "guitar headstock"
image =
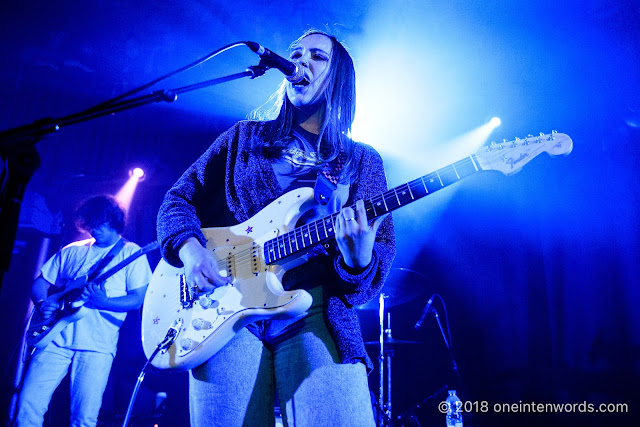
x,y
509,156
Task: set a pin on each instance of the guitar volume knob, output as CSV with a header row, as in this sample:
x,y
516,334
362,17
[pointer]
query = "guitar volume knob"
x,y
205,302
187,343
199,324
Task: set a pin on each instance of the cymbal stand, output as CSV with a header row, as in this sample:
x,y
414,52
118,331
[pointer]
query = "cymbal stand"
x,y
384,365
388,354
381,358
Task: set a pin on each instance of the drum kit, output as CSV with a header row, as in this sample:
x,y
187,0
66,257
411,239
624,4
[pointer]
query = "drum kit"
x,y
402,286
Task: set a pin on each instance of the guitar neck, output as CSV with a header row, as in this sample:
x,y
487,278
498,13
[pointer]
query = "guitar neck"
x,y
322,230
113,270
404,194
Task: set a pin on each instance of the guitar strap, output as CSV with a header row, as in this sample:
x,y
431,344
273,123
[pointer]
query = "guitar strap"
x,y
100,265
328,176
328,179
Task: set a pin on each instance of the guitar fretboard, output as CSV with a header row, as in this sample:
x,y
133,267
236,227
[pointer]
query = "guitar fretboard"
x,y
319,231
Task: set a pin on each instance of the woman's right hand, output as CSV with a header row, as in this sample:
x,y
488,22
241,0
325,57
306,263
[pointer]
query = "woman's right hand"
x,y
200,267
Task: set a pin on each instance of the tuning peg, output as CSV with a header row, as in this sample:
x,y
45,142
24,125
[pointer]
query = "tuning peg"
x,y
491,146
539,138
553,135
515,142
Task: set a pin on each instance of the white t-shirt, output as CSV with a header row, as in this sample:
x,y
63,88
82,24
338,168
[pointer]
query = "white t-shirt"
x,y
98,330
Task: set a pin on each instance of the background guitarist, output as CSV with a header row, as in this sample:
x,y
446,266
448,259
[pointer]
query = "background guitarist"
x,y
317,362
86,347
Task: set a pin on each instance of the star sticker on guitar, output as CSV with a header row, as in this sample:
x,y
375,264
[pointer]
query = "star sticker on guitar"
x,y
249,230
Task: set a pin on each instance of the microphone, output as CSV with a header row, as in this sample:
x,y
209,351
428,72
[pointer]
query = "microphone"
x,y
292,71
425,311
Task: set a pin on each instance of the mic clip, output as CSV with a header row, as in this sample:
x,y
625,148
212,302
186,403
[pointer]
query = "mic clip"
x,y
257,70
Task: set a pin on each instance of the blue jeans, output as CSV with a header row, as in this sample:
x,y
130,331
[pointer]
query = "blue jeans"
x,y
89,373
296,357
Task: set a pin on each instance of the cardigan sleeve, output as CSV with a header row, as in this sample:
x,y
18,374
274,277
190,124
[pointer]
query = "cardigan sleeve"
x,y
197,196
360,287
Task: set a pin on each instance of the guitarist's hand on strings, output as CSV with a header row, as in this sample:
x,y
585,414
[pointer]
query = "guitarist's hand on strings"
x,y
47,307
355,236
200,267
95,295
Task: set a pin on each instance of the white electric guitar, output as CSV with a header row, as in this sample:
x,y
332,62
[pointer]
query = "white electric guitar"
x,y
259,251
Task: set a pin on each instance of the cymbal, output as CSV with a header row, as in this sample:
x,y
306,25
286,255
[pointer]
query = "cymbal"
x,y
402,286
391,342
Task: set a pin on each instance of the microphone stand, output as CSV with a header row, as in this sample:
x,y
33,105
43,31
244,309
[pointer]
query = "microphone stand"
x,y
468,416
17,148
448,344
454,365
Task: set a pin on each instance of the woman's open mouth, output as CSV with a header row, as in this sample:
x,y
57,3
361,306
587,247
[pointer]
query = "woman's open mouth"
x,y
304,82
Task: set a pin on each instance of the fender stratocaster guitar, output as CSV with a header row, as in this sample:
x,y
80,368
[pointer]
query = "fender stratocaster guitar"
x,y
257,253
42,331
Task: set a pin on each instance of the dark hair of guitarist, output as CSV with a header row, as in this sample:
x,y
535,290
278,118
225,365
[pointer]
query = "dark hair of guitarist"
x,y
100,210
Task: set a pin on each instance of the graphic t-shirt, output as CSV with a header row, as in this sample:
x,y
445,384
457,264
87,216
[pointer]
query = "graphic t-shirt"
x,y
299,167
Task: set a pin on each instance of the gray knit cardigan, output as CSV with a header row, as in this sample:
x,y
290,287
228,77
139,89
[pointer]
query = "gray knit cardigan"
x,y
199,199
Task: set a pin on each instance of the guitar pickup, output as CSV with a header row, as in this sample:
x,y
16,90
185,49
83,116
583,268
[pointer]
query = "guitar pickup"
x,y
255,259
231,266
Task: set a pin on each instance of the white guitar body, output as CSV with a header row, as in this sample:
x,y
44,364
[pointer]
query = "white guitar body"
x,y
256,293
259,251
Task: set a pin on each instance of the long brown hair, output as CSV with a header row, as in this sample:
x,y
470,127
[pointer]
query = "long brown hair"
x,y
340,105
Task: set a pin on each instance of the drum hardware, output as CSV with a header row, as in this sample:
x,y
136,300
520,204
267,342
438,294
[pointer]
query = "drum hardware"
x,y
387,347
401,286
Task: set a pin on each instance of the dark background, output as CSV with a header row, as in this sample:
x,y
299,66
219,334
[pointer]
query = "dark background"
x,y
539,271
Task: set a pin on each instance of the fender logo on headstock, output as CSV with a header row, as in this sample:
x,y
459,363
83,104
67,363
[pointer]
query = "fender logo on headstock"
x,y
511,161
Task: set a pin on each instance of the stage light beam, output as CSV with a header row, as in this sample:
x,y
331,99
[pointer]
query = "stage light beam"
x,y
137,172
125,194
